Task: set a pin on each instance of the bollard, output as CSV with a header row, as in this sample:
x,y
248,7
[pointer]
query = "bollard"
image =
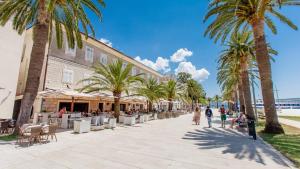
x,y
251,128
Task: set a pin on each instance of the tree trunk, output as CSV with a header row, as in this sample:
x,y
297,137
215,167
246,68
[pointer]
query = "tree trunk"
x,y
150,106
241,97
217,103
40,39
170,106
117,105
264,67
246,89
235,101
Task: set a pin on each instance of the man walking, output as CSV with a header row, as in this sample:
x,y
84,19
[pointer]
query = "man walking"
x,y
209,115
223,115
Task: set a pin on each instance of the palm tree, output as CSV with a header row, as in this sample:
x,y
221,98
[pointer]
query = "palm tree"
x,y
216,98
209,101
46,16
152,90
174,90
240,51
232,15
195,91
112,78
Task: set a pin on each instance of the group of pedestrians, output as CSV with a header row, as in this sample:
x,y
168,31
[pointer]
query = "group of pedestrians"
x,y
209,116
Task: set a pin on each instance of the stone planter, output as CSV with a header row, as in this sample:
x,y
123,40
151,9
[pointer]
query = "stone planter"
x,y
141,119
155,116
146,117
82,126
129,120
121,119
112,123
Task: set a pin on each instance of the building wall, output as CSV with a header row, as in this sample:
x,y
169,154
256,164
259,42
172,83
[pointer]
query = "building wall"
x,y
99,49
11,47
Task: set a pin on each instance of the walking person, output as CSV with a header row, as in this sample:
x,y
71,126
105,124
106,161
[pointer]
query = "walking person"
x,y
197,116
223,115
209,115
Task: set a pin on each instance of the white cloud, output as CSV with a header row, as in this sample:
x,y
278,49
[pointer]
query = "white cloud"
x,y
161,64
188,67
106,41
181,54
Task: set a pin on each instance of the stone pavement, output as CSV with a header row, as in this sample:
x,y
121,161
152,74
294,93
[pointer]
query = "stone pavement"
x,y
161,144
292,123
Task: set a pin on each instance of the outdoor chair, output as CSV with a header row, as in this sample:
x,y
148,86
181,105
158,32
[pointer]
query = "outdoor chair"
x,y
51,132
22,135
4,127
35,134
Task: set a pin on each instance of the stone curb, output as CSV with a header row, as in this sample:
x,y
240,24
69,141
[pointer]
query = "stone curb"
x,y
287,161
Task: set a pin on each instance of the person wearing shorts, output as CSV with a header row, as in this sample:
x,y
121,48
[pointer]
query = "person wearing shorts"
x,y
223,116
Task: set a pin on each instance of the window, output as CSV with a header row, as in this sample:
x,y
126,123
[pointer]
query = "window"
x,y
142,73
133,71
86,76
67,76
70,51
89,54
103,58
124,65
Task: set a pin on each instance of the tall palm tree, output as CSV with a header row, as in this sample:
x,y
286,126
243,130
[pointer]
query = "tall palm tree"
x,y
216,98
232,15
194,91
241,51
112,78
174,90
46,16
152,90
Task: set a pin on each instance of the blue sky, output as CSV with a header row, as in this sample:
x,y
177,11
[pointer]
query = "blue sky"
x,y
158,28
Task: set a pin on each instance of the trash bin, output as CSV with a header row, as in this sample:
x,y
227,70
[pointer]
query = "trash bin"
x,y
251,128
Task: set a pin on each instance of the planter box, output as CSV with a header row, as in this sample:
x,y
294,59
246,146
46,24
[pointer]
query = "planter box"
x,y
141,119
155,116
112,123
121,119
129,120
64,121
146,117
82,126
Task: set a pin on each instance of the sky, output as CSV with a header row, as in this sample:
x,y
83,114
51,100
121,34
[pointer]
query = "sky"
x,y
168,35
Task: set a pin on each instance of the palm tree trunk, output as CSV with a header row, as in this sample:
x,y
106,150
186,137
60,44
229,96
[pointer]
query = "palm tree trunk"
x,y
117,106
235,101
150,106
40,39
241,97
264,66
246,89
170,106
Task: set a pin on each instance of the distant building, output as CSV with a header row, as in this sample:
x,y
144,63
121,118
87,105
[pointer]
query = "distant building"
x,y
65,67
11,45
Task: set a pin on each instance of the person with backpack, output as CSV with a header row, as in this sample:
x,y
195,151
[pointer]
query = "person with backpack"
x,y
209,115
223,116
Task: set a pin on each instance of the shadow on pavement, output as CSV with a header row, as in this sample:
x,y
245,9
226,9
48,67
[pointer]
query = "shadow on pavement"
x,y
234,142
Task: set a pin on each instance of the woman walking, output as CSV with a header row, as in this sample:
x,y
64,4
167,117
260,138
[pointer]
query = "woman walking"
x,y
197,115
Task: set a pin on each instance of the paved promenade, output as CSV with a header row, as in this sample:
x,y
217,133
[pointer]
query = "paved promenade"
x,y
161,144
292,123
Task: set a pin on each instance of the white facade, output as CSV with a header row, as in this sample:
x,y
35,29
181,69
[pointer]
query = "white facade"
x,y
11,47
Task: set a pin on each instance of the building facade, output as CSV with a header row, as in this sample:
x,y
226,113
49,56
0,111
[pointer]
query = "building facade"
x,y
64,68
11,48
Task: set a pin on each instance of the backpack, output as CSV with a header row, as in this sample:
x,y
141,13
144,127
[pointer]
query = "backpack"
x,y
208,112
